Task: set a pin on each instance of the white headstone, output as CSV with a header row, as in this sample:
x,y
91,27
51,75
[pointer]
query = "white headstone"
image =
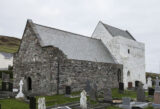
x,y
149,82
20,94
41,103
83,100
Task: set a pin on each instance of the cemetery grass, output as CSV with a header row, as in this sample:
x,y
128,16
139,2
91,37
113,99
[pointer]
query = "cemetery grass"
x,y
58,99
13,104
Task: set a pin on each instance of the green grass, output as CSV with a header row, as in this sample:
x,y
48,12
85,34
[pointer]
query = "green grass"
x,y
9,44
116,94
8,49
61,99
58,99
13,104
113,107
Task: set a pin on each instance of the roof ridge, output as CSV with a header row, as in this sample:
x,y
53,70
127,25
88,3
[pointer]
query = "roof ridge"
x,y
66,31
114,27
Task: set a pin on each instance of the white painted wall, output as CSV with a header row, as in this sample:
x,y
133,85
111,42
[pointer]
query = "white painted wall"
x,y
6,59
134,62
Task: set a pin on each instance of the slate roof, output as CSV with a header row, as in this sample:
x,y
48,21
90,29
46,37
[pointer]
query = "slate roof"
x,y
73,45
118,32
6,55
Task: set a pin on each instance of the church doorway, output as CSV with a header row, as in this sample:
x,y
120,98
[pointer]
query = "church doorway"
x,y
29,83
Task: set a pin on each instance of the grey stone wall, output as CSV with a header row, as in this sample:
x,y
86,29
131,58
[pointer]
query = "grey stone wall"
x,y
45,65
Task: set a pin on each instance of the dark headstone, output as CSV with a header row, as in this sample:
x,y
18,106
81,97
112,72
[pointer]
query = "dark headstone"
x,y
10,87
121,87
151,91
4,86
136,84
130,85
32,103
0,106
140,93
88,86
68,90
108,95
5,77
93,92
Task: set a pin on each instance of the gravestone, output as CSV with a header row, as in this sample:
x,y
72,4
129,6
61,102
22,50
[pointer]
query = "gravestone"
x,y
149,82
5,77
32,103
126,100
83,100
136,84
5,82
140,93
41,103
68,90
150,91
108,95
88,86
156,103
20,94
11,87
121,87
125,103
93,92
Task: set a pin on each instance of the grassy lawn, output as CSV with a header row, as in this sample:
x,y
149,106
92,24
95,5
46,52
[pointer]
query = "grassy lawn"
x,y
61,99
58,99
13,104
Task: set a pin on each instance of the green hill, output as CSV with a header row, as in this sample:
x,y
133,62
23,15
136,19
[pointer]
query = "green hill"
x,y
9,44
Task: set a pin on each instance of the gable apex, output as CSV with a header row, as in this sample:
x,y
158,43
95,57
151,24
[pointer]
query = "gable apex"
x,y
114,31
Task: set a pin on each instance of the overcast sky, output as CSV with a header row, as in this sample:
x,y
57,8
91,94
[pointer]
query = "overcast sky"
x,y
140,17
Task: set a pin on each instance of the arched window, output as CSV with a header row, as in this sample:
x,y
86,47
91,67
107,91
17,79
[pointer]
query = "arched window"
x,y
119,75
128,73
29,83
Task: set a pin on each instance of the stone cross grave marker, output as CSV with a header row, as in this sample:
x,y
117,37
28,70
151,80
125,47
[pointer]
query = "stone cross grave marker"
x,y
83,100
20,94
149,82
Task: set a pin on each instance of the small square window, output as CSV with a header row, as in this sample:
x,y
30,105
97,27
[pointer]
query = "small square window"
x,y
128,51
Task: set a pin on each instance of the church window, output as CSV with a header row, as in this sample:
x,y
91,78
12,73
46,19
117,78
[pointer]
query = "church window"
x,y
128,51
128,73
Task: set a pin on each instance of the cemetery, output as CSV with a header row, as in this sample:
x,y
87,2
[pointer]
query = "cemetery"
x,y
56,69
89,98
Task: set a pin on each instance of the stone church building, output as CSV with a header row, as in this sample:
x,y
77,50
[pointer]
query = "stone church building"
x,y
50,59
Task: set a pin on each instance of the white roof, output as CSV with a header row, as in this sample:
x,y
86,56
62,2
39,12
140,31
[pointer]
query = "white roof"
x,y
74,46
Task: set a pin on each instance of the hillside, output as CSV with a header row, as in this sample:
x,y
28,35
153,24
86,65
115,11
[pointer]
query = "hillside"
x,y
9,44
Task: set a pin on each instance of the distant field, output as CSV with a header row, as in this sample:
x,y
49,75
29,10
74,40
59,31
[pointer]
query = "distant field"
x,y
9,44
